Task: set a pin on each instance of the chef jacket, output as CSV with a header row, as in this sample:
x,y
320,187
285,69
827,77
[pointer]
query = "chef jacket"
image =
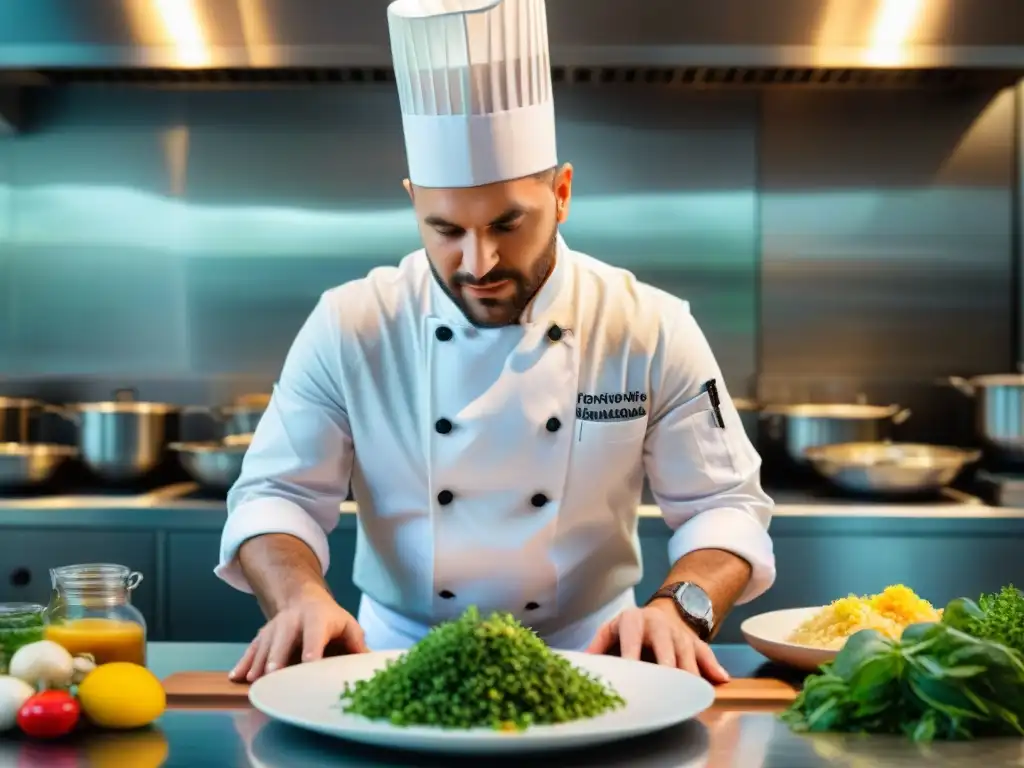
x,y
500,467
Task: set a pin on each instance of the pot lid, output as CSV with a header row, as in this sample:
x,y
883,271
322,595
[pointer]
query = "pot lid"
x,y
834,410
904,455
998,380
37,449
18,402
126,406
209,446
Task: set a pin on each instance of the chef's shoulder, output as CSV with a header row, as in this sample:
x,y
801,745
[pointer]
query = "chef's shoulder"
x,y
362,309
643,310
653,322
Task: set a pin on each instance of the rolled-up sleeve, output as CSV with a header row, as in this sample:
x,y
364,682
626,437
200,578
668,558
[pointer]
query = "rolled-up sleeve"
x,y
705,479
296,472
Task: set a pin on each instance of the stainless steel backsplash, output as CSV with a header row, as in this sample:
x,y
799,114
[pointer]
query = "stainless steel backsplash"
x,y
834,243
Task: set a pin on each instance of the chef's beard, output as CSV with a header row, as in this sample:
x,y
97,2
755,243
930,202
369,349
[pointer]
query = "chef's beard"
x,y
504,311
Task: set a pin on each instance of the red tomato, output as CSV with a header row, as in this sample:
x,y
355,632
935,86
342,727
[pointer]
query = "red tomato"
x,y
49,714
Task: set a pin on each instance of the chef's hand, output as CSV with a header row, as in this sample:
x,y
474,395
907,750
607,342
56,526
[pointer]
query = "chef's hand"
x,y
309,624
672,641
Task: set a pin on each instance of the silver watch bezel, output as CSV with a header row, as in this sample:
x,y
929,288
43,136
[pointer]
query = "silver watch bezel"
x,y
693,601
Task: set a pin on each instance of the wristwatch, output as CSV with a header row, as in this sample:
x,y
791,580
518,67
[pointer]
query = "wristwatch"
x,y
693,604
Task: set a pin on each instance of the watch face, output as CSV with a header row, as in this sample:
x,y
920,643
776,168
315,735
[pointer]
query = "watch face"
x,y
694,601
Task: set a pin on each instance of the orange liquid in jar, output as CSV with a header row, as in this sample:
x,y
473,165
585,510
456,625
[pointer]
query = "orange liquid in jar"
x,y
106,639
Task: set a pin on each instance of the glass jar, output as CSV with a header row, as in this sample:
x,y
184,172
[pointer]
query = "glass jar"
x,y
20,624
91,612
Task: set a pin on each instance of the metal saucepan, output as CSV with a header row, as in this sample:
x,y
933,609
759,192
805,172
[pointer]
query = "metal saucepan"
x,y
122,439
26,464
233,419
795,428
890,468
16,414
215,465
999,411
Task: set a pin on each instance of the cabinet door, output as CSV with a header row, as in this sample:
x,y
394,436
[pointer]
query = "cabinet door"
x,y
202,608
26,556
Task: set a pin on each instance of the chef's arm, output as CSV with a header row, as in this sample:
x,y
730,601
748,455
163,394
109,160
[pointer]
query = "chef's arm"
x,y
723,575
295,475
281,570
705,477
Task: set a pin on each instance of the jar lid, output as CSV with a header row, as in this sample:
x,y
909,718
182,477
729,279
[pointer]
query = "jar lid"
x,y
16,609
13,615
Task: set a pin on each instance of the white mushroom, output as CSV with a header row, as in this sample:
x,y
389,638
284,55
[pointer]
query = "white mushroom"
x,y
44,664
13,693
83,664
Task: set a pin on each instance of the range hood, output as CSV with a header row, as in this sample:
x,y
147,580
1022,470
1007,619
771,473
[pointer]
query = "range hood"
x,y
743,42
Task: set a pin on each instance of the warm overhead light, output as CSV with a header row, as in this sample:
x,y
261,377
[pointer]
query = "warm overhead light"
x,y
181,21
892,29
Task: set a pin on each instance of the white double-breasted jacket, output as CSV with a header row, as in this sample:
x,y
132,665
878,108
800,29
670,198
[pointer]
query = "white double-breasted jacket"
x,y
500,467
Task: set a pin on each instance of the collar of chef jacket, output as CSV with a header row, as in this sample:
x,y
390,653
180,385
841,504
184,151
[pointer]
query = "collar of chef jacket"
x,y
551,305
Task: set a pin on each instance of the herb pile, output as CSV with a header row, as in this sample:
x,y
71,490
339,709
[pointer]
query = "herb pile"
x,y
938,681
475,672
1003,620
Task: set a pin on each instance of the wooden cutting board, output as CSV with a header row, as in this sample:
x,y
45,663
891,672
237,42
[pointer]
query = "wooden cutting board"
x,y
215,690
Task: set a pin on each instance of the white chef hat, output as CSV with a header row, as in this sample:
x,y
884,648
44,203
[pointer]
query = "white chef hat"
x,y
474,81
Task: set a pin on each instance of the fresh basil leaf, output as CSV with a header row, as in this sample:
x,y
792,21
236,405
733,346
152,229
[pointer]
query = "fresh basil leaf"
x,y
925,728
825,717
960,613
947,699
989,654
861,647
875,676
916,633
942,671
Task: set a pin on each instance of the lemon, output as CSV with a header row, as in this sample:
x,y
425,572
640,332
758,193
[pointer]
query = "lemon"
x,y
121,695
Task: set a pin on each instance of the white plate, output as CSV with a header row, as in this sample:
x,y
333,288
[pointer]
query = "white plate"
x,y
308,696
768,634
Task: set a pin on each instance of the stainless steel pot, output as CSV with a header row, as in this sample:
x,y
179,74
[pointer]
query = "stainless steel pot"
x,y
999,411
795,428
233,419
890,468
213,465
26,464
749,412
16,414
122,439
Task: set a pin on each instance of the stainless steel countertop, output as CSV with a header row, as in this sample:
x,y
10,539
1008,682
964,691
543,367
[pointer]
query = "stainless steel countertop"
x,y
720,739
176,497
171,509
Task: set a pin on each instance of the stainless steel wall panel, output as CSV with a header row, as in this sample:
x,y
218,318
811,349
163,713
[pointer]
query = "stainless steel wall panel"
x,y
665,186
95,275
177,240
6,258
1019,223
312,197
309,198
886,236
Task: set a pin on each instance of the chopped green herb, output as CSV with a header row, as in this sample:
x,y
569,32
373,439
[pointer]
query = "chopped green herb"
x,y
474,672
20,624
1001,619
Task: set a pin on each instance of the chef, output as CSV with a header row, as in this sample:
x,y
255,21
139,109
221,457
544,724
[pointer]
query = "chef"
x,y
495,401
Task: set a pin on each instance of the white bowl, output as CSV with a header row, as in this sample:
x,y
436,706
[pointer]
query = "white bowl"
x,y
768,634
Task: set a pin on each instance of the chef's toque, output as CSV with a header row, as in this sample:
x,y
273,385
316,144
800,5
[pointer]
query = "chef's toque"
x,y
474,82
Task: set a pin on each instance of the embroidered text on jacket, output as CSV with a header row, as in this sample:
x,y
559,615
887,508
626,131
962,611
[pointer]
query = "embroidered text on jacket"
x,y
630,403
